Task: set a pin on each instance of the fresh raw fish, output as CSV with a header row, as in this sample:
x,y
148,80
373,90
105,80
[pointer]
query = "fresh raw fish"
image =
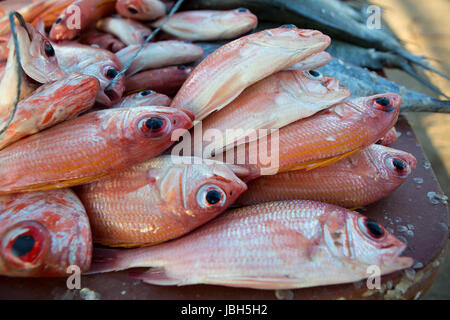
x,y
128,31
43,233
159,54
102,40
99,63
50,104
166,80
225,73
276,245
389,138
141,9
89,147
356,181
320,140
69,25
144,98
158,200
204,25
271,103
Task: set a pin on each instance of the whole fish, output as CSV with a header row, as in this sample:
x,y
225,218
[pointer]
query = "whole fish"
x,y
128,31
99,63
389,138
102,40
141,9
167,80
78,17
327,137
272,103
159,54
219,79
158,200
330,16
204,25
144,98
276,245
89,147
43,233
356,181
51,104
363,82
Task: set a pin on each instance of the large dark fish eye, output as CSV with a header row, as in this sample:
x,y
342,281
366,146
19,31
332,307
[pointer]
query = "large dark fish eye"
x,y
313,74
213,196
242,10
384,104
49,51
22,245
374,229
181,67
58,21
132,10
146,93
112,73
154,126
399,164
288,26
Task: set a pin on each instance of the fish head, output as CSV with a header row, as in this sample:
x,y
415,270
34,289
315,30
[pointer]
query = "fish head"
x,y
105,70
65,26
38,57
145,98
140,9
299,43
210,188
372,245
43,233
148,128
395,165
315,83
241,19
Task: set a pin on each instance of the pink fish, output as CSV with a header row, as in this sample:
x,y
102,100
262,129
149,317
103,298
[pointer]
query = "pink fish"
x,y
166,80
275,245
356,181
158,200
78,17
159,54
220,78
43,233
141,9
128,31
99,63
206,25
102,40
51,104
143,98
89,147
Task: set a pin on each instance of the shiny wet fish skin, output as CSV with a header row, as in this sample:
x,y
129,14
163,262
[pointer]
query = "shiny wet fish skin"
x,y
276,245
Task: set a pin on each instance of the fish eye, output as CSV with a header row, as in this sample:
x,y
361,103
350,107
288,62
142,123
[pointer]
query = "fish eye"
x,y
383,104
111,73
397,165
371,228
181,67
154,126
242,10
22,245
313,74
49,51
146,93
58,20
211,196
132,10
288,26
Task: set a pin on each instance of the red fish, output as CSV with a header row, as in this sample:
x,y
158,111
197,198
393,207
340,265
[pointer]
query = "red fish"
x,y
102,40
89,147
275,245
144,98
43,233
128,31
166,80
78,17
141,9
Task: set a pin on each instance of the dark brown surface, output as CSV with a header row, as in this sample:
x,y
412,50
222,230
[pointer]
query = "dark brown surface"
x,y
408,213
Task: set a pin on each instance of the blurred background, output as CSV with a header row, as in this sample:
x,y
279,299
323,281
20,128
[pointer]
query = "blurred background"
x,y
422,26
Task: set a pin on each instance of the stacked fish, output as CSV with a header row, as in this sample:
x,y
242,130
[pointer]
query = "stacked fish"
x,y
89,154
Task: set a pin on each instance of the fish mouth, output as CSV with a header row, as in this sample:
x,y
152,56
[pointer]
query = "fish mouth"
x,y
113,95
333,84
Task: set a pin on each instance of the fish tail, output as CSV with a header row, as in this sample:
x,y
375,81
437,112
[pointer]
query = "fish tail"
x,y
419,61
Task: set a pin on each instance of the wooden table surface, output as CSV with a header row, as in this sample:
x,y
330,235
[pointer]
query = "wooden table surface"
x,y
408,213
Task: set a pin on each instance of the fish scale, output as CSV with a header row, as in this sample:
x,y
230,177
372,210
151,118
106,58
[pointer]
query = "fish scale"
x,y
275,245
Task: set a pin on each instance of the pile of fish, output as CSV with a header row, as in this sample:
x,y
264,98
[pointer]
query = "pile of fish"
x,y
100,115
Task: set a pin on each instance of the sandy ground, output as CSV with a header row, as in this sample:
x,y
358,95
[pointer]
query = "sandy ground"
x,y
423,27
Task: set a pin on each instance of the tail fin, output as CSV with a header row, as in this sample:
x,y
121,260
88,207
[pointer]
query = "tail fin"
x,y
419,61
107,260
